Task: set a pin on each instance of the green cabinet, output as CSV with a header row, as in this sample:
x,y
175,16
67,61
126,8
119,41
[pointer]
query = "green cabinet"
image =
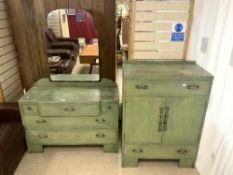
x,y
164,105
71,113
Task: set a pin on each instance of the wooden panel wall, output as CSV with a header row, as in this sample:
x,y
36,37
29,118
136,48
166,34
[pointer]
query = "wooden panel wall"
x,y
30,38
151,27
10,80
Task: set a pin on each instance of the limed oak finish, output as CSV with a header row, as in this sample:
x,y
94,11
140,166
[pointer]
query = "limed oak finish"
x,y
71,113
164,106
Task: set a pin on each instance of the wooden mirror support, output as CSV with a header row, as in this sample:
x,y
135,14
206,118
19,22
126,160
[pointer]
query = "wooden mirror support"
x,y
29,19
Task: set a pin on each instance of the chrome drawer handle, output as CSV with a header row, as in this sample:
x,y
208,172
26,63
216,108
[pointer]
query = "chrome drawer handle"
x,y
182,151
69,109
41,121
142,86
43,136
100,135
137,150
193,87
100,120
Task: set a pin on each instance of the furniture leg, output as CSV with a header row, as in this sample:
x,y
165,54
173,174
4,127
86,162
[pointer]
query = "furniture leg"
x,y
129,162
33,148
111,148
186,163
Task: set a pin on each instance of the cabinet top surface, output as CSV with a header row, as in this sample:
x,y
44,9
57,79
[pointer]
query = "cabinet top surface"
x,y
164,70
46,91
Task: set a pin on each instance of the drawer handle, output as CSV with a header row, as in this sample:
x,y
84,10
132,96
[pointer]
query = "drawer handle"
x,y
43,136
29,108
109,107
100,135
100,120
41,121
69,109
137,150
182,151
193,87
141,86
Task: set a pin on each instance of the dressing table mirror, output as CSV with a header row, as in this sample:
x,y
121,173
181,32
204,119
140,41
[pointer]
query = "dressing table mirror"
x,y
67,109
72,43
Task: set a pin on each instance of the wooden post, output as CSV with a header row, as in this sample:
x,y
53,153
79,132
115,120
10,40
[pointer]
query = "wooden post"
x,y
132,29
189,27
2,99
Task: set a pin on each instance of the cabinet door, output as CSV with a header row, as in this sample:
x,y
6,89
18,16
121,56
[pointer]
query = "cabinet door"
x,y
141,122
185,119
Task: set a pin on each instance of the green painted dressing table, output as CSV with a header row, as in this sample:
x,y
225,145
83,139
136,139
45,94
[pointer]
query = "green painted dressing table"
x,y
71,113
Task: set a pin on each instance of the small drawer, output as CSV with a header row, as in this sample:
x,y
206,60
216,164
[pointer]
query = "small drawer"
x,y
166,88
46,123
160,151
28,109
109,108
72,137
69,110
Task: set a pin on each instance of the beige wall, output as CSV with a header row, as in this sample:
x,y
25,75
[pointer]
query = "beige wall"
x,y
9,72
57,20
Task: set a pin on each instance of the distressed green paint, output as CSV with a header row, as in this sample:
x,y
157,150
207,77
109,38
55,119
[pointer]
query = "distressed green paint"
x,y
71,113
182,89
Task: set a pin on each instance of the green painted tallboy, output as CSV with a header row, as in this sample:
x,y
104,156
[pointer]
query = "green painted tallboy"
x,y
71,113
164,105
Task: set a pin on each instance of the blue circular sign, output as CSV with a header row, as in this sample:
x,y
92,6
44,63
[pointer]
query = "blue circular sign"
x,y
179,27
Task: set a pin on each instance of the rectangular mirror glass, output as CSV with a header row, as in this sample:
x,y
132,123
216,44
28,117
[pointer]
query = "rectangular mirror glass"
x,y
72,45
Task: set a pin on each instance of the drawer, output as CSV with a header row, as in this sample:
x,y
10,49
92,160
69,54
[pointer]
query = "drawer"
x,y
72,137
109,108
66,109
166,88
29,109
160,151
49,123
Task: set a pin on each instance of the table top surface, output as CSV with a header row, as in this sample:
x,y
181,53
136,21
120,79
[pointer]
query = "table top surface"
x,y
90,50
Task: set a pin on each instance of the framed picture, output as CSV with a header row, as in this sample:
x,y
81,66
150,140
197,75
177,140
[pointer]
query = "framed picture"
x,y
80,17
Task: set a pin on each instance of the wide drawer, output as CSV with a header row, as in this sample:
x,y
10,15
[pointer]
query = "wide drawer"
x,y
166,88
69,109
160,151
37,123
72,137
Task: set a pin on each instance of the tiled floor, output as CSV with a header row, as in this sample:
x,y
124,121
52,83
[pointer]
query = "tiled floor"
x,y
91,161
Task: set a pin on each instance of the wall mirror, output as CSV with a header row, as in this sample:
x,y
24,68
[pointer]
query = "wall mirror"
x,y
72,45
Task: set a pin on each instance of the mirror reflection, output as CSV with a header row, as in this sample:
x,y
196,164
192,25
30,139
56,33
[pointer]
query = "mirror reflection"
x,y
72,42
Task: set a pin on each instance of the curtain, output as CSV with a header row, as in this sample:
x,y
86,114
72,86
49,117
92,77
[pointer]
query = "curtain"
x,y
213,19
